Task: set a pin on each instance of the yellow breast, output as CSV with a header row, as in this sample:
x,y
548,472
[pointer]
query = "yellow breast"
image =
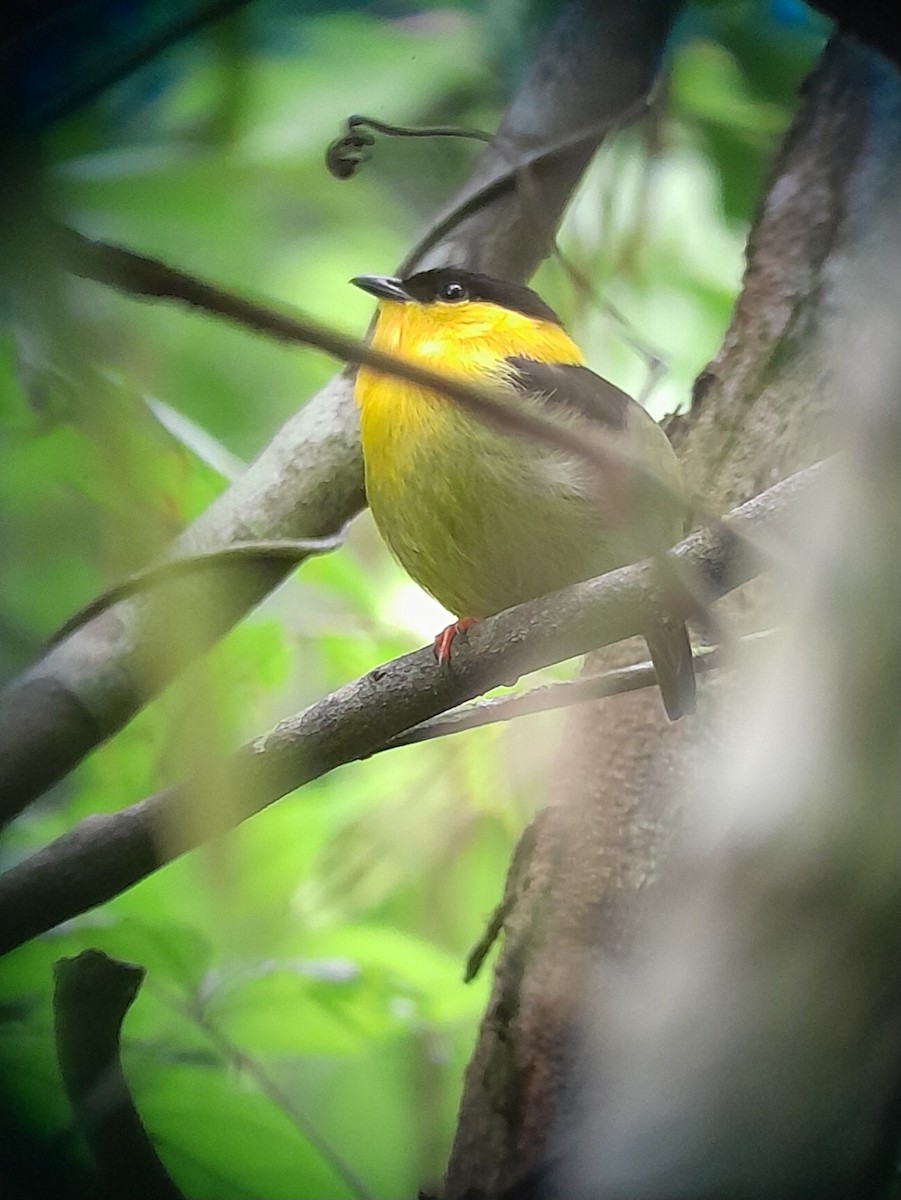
x,y
467,341
454,500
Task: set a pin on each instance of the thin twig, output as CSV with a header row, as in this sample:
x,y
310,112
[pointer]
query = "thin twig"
x,y
284,549
347,153
107,853
655,363
302,1122
509,179
552,696
418,131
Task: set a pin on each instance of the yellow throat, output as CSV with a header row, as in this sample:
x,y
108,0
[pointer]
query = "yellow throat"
x,y
470,341
439,481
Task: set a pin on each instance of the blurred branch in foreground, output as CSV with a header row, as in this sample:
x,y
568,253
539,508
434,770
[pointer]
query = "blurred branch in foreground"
x,y
106,854
140,276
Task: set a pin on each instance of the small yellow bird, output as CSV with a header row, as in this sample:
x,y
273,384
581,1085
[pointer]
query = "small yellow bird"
x,y
484,520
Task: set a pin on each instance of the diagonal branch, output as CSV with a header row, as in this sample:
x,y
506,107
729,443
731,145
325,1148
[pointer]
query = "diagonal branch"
x,y
551,697
593,65
285,550
107,854
149,277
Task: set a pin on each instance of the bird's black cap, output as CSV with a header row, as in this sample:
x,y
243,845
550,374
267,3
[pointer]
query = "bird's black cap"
x,y
450,285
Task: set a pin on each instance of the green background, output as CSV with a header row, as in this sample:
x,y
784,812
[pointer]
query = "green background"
x,y
304,1023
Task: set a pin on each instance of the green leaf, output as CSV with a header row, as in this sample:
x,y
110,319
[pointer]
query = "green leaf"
x,y
420,980
220,1138
279,1010
176,955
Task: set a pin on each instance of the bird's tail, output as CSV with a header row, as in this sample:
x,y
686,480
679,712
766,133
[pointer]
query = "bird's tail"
x,y
671,655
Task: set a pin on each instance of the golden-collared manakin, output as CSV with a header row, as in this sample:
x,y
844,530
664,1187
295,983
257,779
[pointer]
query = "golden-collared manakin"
x,y
484,519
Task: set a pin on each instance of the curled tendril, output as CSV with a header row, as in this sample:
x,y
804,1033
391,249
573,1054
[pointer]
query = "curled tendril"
x,y
348,152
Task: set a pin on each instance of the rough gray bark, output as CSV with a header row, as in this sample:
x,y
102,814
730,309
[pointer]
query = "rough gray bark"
x,y
751,1047
760,410
596,63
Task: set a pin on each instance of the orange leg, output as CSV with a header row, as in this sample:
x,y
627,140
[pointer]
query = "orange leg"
x,y
446,636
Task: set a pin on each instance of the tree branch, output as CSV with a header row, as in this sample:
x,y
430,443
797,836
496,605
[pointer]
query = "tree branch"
x,y
552,697
286,550
105,854
91,996
595,64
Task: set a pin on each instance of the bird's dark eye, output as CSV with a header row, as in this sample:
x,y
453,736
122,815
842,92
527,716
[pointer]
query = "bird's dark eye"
x,y
454,291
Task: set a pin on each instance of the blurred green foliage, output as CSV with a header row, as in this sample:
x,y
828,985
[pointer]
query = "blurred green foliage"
x,y
304,1023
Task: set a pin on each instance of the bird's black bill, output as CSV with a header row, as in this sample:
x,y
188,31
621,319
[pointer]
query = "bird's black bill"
x,y
383,286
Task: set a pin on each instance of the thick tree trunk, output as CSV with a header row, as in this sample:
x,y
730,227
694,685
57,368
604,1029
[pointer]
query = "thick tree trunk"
x,y
760,410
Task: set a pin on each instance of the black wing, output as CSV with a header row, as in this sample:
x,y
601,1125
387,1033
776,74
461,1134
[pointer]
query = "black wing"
x,y
575,388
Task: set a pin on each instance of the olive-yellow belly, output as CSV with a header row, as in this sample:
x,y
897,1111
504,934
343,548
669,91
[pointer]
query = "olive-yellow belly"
x,y
481,520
